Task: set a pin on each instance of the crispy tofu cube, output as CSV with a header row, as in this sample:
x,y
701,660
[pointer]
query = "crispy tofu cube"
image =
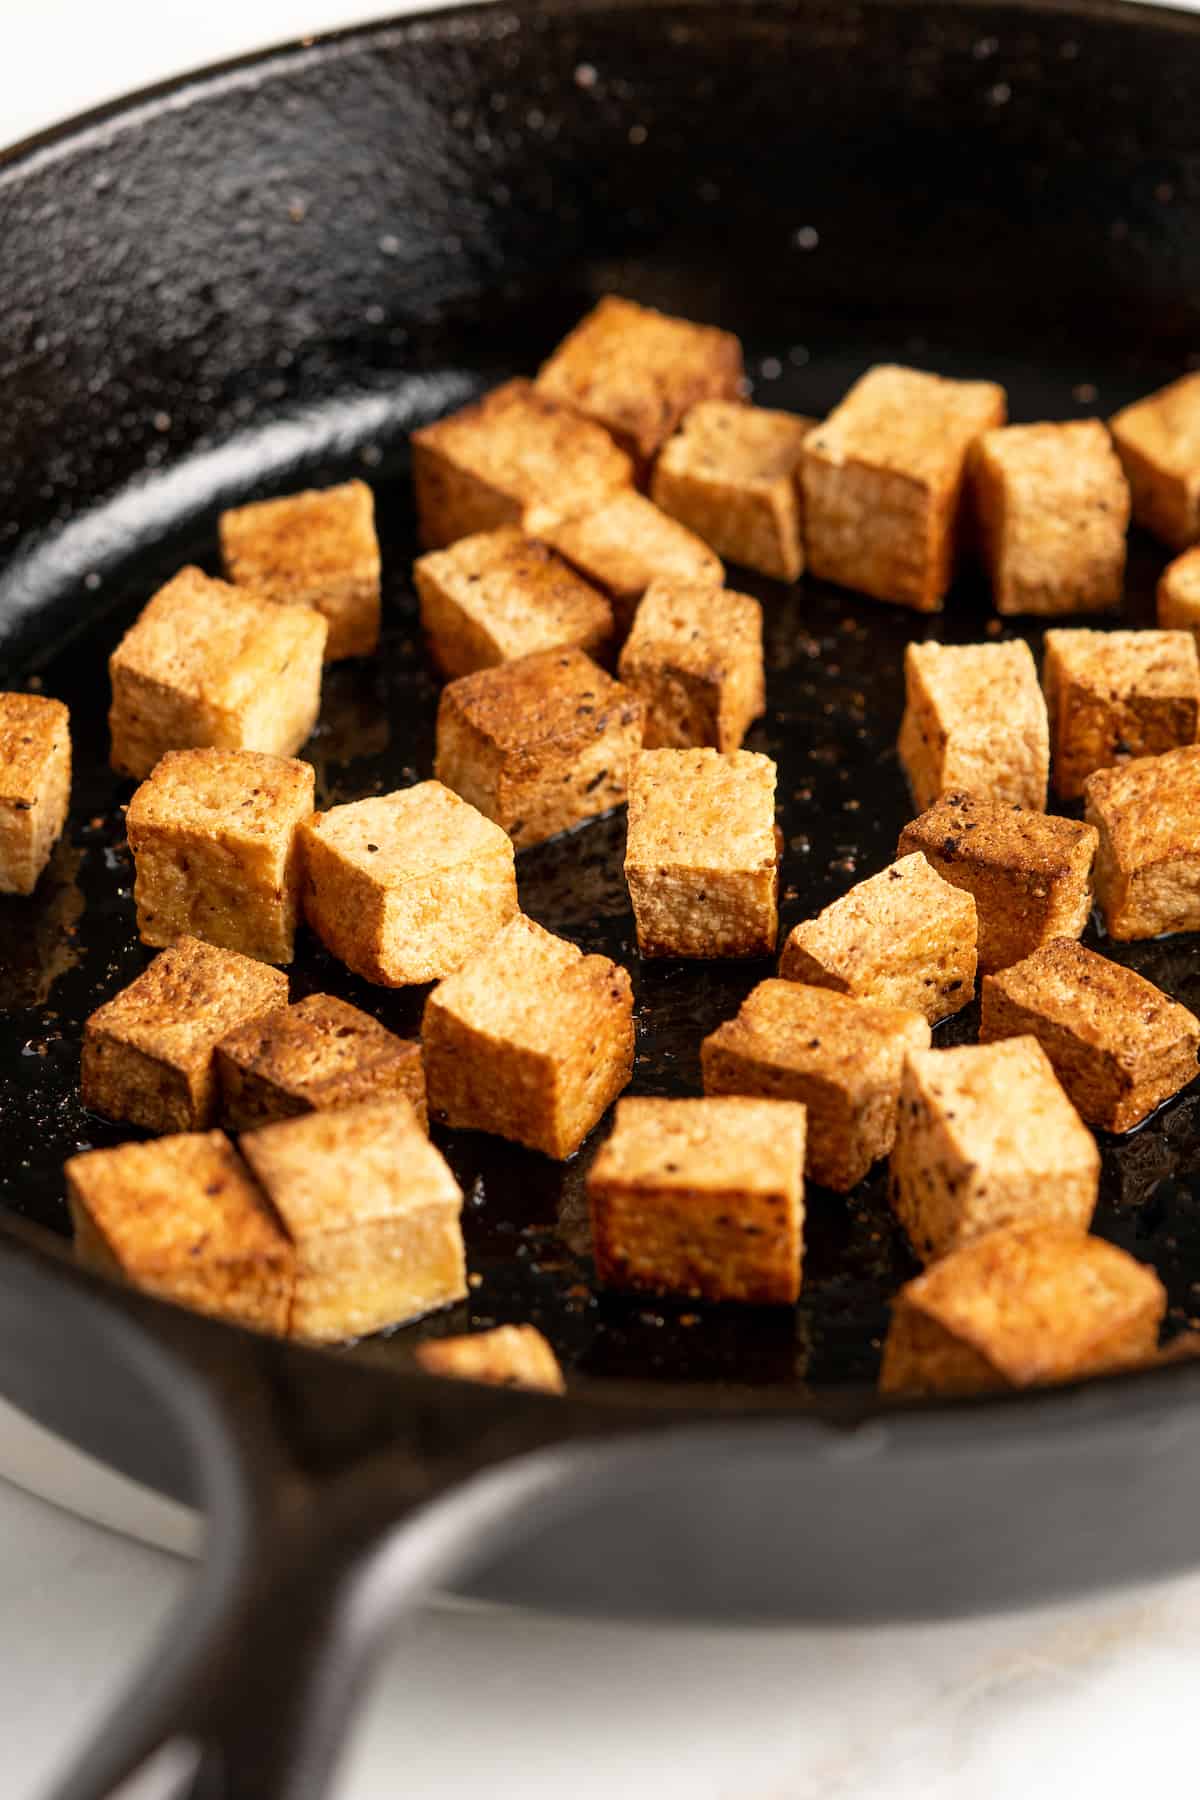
x,y
315,549
215,850
695,656
404,887
1029,874
515,457
986,1137
1116,694
1036,1304
1148,864
373,1214
904,938
839,1056
531,1041
1179,594
314,1057
515,1356
498,596
35,786
1158,442
182,1218
732,475
884,478
974,719
538,745
702,853
637,371
624,544
1053,508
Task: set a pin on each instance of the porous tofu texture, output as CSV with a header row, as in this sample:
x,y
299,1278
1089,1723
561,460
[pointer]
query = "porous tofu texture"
x,y
1030,874
695,656
498,596
904,938
1148,864
377,1249
540,744
702,853
313,1057
515,1356
986,1138
701,1198
515,457
315,549
210,665
1020,1308
35,786
974,719
531,1041
1179,594
215,850
1158,442
731,474
1118,1044
148,1052
404,887
1116,694
841,1057
182,1218
883,482
637,371
624,544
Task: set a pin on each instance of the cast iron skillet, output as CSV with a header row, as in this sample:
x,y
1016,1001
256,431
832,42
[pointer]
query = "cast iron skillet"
x,y
264,276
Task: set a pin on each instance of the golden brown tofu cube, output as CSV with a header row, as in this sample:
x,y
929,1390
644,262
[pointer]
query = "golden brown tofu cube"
x,y
1118,1045
732,475
637,371
695,656
1029,874
840,1057
974,719
904,938
702,853
182,1218
1116,694
986,1137
373,1214
215,849
1158,442
1021,1308
515,457
35,786
624,544
1148,864
315,549
207,665
515,1356
313,1057
404,887
703,1199
531,1041
1179,594
883,482
498,596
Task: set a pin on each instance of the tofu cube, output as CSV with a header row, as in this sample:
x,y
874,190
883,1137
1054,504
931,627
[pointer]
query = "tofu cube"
x,y
905,938
314,1057
1025,1307
1116,694
839,1057
1029,874
182,1218
695,657
1148,863
1053,508
624,544
373,1214
1158,442
315,549
702,853
974,719
404,887
1179,594
731,474
703,1199
531,1041
514,1356
215,850
207,665
986,1137
148,1052
498,596
884,478
35,786
1118,1045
